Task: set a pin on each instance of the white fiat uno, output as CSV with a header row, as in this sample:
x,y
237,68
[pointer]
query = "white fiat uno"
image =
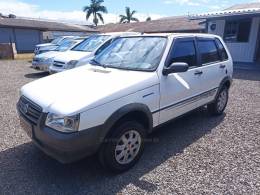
x,y
136,84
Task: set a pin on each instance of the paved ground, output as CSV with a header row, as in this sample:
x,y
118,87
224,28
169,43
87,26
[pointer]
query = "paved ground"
x,y
197,154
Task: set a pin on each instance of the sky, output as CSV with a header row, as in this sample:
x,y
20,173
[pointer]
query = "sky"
x,y
71,10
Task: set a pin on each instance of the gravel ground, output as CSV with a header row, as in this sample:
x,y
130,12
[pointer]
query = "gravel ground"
x,y
196,154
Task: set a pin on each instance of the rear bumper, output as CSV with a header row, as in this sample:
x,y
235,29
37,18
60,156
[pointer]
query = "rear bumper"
x,y
64,147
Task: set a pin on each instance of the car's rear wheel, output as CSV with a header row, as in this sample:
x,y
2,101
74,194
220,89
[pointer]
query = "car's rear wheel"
x,y
219,105
124,147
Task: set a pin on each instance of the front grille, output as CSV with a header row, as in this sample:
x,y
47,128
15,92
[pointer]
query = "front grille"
x,y
29,110
58,64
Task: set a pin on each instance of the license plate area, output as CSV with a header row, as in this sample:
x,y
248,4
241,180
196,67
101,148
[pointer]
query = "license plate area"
x,y
27,127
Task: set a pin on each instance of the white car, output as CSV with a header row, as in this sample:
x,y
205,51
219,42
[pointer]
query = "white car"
x,y
45,47
84,52
43,61
135,85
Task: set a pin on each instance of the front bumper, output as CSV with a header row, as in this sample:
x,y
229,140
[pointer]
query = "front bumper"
x,y
41,66
64,147
53,69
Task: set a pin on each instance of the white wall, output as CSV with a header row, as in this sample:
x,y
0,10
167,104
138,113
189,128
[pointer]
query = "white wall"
x,y
241,52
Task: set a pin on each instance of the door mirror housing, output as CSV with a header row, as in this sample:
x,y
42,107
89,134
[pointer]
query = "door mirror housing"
x,y
175,68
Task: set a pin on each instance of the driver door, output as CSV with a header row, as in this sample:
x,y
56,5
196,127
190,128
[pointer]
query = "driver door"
x,y
179,91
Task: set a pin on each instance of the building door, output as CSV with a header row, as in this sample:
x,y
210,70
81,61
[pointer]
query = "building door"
x,y
26,39
257,56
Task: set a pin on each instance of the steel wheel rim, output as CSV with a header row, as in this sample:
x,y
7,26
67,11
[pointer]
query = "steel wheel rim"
x,y
222,100
128,147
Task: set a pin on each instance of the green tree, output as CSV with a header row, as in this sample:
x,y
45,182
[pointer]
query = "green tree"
x,y
95,9
129,16
148,19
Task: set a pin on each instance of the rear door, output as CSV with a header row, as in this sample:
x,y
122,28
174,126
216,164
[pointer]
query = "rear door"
x,y
212,60
179,91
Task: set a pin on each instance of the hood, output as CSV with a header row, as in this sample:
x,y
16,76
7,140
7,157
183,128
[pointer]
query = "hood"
x,y
49,54
71,55
85,87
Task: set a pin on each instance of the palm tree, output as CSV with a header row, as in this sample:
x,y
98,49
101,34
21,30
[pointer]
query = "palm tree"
x,y
128,17
95,8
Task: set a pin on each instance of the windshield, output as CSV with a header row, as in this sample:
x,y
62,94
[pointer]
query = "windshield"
x,y
57,40
91,43
66,45
134,53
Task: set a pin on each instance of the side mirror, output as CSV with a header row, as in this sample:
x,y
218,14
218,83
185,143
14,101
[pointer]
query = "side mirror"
x,y
175,68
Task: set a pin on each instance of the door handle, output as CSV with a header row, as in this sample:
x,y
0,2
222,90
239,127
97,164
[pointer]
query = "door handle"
x,y
222,66
198,72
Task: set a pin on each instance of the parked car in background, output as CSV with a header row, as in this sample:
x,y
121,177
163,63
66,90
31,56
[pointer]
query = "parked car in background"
x,y
84,52
45,47
44,60
136,84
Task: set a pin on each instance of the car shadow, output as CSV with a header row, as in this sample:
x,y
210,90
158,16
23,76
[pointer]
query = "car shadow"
x,y
26,168
36,75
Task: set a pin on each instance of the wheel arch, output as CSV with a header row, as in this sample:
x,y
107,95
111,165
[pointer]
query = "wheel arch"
x,y
226,82
135,111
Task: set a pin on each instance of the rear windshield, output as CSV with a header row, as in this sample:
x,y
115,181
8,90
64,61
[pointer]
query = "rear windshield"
x,y
91,43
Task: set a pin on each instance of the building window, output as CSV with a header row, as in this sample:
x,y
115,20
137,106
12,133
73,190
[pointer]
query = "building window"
x,y
237,30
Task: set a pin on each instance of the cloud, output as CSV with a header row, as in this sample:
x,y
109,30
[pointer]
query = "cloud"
x,y
22,9
210,4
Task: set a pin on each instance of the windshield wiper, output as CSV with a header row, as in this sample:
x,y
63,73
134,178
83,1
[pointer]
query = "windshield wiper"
x,y
95,62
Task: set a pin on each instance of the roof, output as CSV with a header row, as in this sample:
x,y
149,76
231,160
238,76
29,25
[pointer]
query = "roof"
x,y
248,9
171,24
204,35
43,25
244,6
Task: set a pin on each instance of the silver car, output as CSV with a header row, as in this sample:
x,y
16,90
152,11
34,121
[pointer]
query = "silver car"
x,y
44,60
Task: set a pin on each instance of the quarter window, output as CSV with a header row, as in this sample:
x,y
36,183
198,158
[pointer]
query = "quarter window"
x,y
184,51
222,51
208,51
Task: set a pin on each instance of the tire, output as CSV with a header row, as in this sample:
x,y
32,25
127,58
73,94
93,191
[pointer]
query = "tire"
x,y
220,103
112,148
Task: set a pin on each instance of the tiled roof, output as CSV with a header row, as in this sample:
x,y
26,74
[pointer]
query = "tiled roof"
x,y
244,6
236,10
171,24
43,25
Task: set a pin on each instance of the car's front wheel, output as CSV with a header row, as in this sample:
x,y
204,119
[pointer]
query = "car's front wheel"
x,y
220,103
123,148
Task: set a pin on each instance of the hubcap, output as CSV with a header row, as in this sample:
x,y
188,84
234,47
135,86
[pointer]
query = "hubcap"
x,y
222,100
128,147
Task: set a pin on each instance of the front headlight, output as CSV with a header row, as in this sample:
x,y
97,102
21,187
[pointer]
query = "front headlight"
x,y
49,60
71,64
67,124
43,59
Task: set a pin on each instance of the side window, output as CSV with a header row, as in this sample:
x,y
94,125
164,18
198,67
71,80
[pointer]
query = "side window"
x,y
222,51
184,51
208,51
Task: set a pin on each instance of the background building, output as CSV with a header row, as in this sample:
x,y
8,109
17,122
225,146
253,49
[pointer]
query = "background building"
x,y
26,33
165,25
239,26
